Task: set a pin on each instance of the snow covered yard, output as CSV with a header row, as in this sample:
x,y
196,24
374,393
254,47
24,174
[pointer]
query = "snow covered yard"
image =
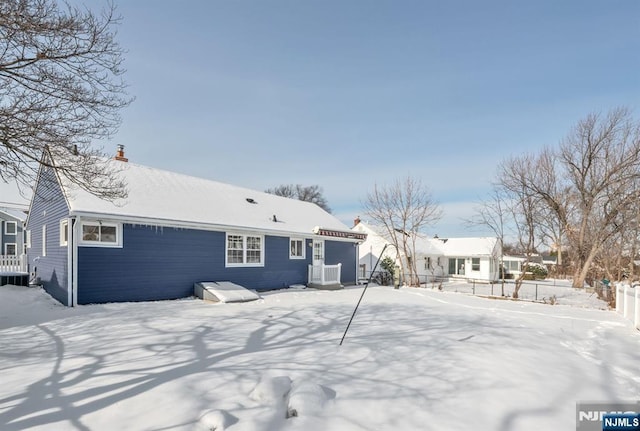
x,y
414,359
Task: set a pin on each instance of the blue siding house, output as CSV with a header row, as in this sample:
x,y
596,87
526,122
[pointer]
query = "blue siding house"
x,y
12,238
11,231
174,230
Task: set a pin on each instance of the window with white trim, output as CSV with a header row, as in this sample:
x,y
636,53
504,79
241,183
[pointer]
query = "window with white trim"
x,y
27,238
427,263
244,250
10,227
475,264
100,234
296,248
11,249
64,232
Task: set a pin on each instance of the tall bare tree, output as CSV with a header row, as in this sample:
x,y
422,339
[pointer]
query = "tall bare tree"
x,y
590,183
404,209
304,193
61,89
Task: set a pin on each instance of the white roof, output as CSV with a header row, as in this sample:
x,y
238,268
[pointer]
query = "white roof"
x,y
477,246
429,246
15,213
454,247
161,197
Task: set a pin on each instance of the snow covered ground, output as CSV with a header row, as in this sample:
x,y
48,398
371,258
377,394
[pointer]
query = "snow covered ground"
x,y
414,359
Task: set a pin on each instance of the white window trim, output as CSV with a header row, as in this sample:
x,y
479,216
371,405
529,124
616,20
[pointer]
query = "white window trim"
x,y
6,228
86,243
64,239
479,263
303,244
244,250
27,242
44,240
6,246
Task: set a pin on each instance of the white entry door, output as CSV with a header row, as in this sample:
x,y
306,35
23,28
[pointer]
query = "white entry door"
x,y
318,252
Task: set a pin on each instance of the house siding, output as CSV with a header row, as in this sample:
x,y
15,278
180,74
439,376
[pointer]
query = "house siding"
x,y
48,207
157,263
16,239
345,253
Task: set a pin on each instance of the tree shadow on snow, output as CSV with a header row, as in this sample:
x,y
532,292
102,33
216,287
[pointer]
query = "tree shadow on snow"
x,y
383,348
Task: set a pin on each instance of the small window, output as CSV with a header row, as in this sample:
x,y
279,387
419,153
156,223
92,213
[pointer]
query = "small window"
x,y
64,232
296,249
27,238
427,263
475,264
244,250
101,234
10,228
11,249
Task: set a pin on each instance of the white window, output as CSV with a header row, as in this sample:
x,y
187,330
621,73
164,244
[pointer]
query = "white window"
x,y
244,250
10,227
27,238
10,249
44,240
100,234
64,232
475,264
296,248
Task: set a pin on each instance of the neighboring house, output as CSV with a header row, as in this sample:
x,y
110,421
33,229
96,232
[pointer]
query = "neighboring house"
x,y
475,258
469,258
12,235
174,230
513,263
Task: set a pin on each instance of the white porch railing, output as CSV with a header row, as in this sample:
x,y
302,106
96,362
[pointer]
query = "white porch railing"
x,y
324,275
628,302
13,263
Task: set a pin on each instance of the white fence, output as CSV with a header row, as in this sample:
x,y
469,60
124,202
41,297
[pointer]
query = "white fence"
x,y
628,302
324,274
13,263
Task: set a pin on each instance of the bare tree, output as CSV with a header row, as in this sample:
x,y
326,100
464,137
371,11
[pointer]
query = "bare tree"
x,y
494,214
404,209
311,194
590,183
61,89
524,208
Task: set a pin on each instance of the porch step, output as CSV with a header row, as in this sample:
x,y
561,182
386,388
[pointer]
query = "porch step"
x,y
335,286
223,291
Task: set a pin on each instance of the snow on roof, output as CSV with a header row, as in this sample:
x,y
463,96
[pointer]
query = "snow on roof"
x,y
474,246
15,213
158,196
428,246
477,246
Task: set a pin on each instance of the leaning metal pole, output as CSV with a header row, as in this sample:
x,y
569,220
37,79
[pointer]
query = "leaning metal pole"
x,y
363,292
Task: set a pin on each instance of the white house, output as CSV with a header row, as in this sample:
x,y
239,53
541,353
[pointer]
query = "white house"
x,y
467,258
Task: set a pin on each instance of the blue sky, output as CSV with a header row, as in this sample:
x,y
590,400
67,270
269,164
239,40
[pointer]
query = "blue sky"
x,y
345,94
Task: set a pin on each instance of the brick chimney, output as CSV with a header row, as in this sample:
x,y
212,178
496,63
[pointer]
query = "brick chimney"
x,y
356,221
120,154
